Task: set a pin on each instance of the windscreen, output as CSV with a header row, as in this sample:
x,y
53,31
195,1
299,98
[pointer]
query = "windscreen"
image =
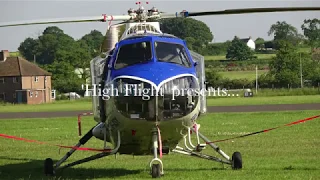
x,y
172,53
131,54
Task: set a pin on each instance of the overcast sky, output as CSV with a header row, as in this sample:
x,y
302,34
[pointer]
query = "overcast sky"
x,y
223,27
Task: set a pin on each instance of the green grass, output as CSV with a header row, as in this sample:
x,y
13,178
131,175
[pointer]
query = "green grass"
x,y
235,101
223,57
64,105
86,105
250,75
305,49
14,54
287,153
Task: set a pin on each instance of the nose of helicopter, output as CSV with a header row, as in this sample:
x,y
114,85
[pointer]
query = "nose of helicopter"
x,y
169,78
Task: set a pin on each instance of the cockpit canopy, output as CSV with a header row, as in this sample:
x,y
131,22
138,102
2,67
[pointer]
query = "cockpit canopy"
x,y
152,51
172,53
131,54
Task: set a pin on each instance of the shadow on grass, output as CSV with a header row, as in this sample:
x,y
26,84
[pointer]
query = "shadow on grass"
x,y
33,169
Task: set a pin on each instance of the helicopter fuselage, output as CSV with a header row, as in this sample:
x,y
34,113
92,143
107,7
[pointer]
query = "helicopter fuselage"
x,y
150,83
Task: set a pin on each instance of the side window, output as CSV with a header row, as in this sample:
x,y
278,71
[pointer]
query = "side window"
x,y
131,54
15,79
2,80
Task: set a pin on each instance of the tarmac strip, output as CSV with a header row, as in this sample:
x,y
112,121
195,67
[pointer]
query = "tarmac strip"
x,y
210,109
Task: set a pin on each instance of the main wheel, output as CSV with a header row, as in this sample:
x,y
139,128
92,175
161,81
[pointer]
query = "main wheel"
x,y
236,160
156,171
48,167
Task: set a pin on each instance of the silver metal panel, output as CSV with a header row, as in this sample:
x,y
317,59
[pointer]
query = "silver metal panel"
x,y
96,68
200,68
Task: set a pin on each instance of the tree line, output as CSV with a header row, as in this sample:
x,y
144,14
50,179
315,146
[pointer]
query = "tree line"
x,y
198,37
61,54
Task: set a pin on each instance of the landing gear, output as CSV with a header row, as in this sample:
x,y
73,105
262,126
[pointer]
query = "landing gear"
x,y
156,163
156,171
236,160
49,168
194,150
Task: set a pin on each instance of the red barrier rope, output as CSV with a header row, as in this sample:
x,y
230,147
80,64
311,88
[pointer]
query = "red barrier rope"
x,y
160,142
267,130
109,150
61,146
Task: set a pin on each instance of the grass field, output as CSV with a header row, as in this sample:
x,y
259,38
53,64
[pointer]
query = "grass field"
x,y
64,105
287,153
235,101
223,57
251,75
14,54
86,105
259,56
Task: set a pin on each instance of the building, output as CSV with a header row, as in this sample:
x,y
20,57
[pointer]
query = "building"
x,y
22,81
249,42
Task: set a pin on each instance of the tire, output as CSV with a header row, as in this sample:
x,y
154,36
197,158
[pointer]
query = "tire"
x,y
156,171
236,160
48,167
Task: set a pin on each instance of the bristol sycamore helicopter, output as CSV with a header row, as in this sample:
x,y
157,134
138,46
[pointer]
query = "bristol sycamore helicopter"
x,y
146,58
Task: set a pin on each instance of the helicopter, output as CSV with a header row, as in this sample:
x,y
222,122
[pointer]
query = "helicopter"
x,y
148,90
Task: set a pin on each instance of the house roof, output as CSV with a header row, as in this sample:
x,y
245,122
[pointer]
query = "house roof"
x,y
245,40
17,66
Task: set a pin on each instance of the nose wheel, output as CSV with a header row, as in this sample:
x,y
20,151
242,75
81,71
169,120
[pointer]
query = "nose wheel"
x,y
156,171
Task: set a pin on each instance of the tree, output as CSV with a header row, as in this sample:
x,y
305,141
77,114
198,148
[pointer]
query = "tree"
x,y
190,42
213,78
285,67
238,50
28,48
311,29
284,31
259,43
93,40
63,77
46,46
61,55
218,48
188,28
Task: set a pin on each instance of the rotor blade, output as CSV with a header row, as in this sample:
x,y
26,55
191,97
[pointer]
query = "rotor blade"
x,y
102,18
252,10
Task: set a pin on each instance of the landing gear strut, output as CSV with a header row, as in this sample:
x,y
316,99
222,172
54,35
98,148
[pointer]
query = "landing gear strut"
x,y
156,163
235,161
50,168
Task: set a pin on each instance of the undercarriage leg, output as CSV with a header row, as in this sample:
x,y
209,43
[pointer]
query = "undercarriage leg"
x,y
235,161
50,168
156,163
82,141
195,154
94,157
215,147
